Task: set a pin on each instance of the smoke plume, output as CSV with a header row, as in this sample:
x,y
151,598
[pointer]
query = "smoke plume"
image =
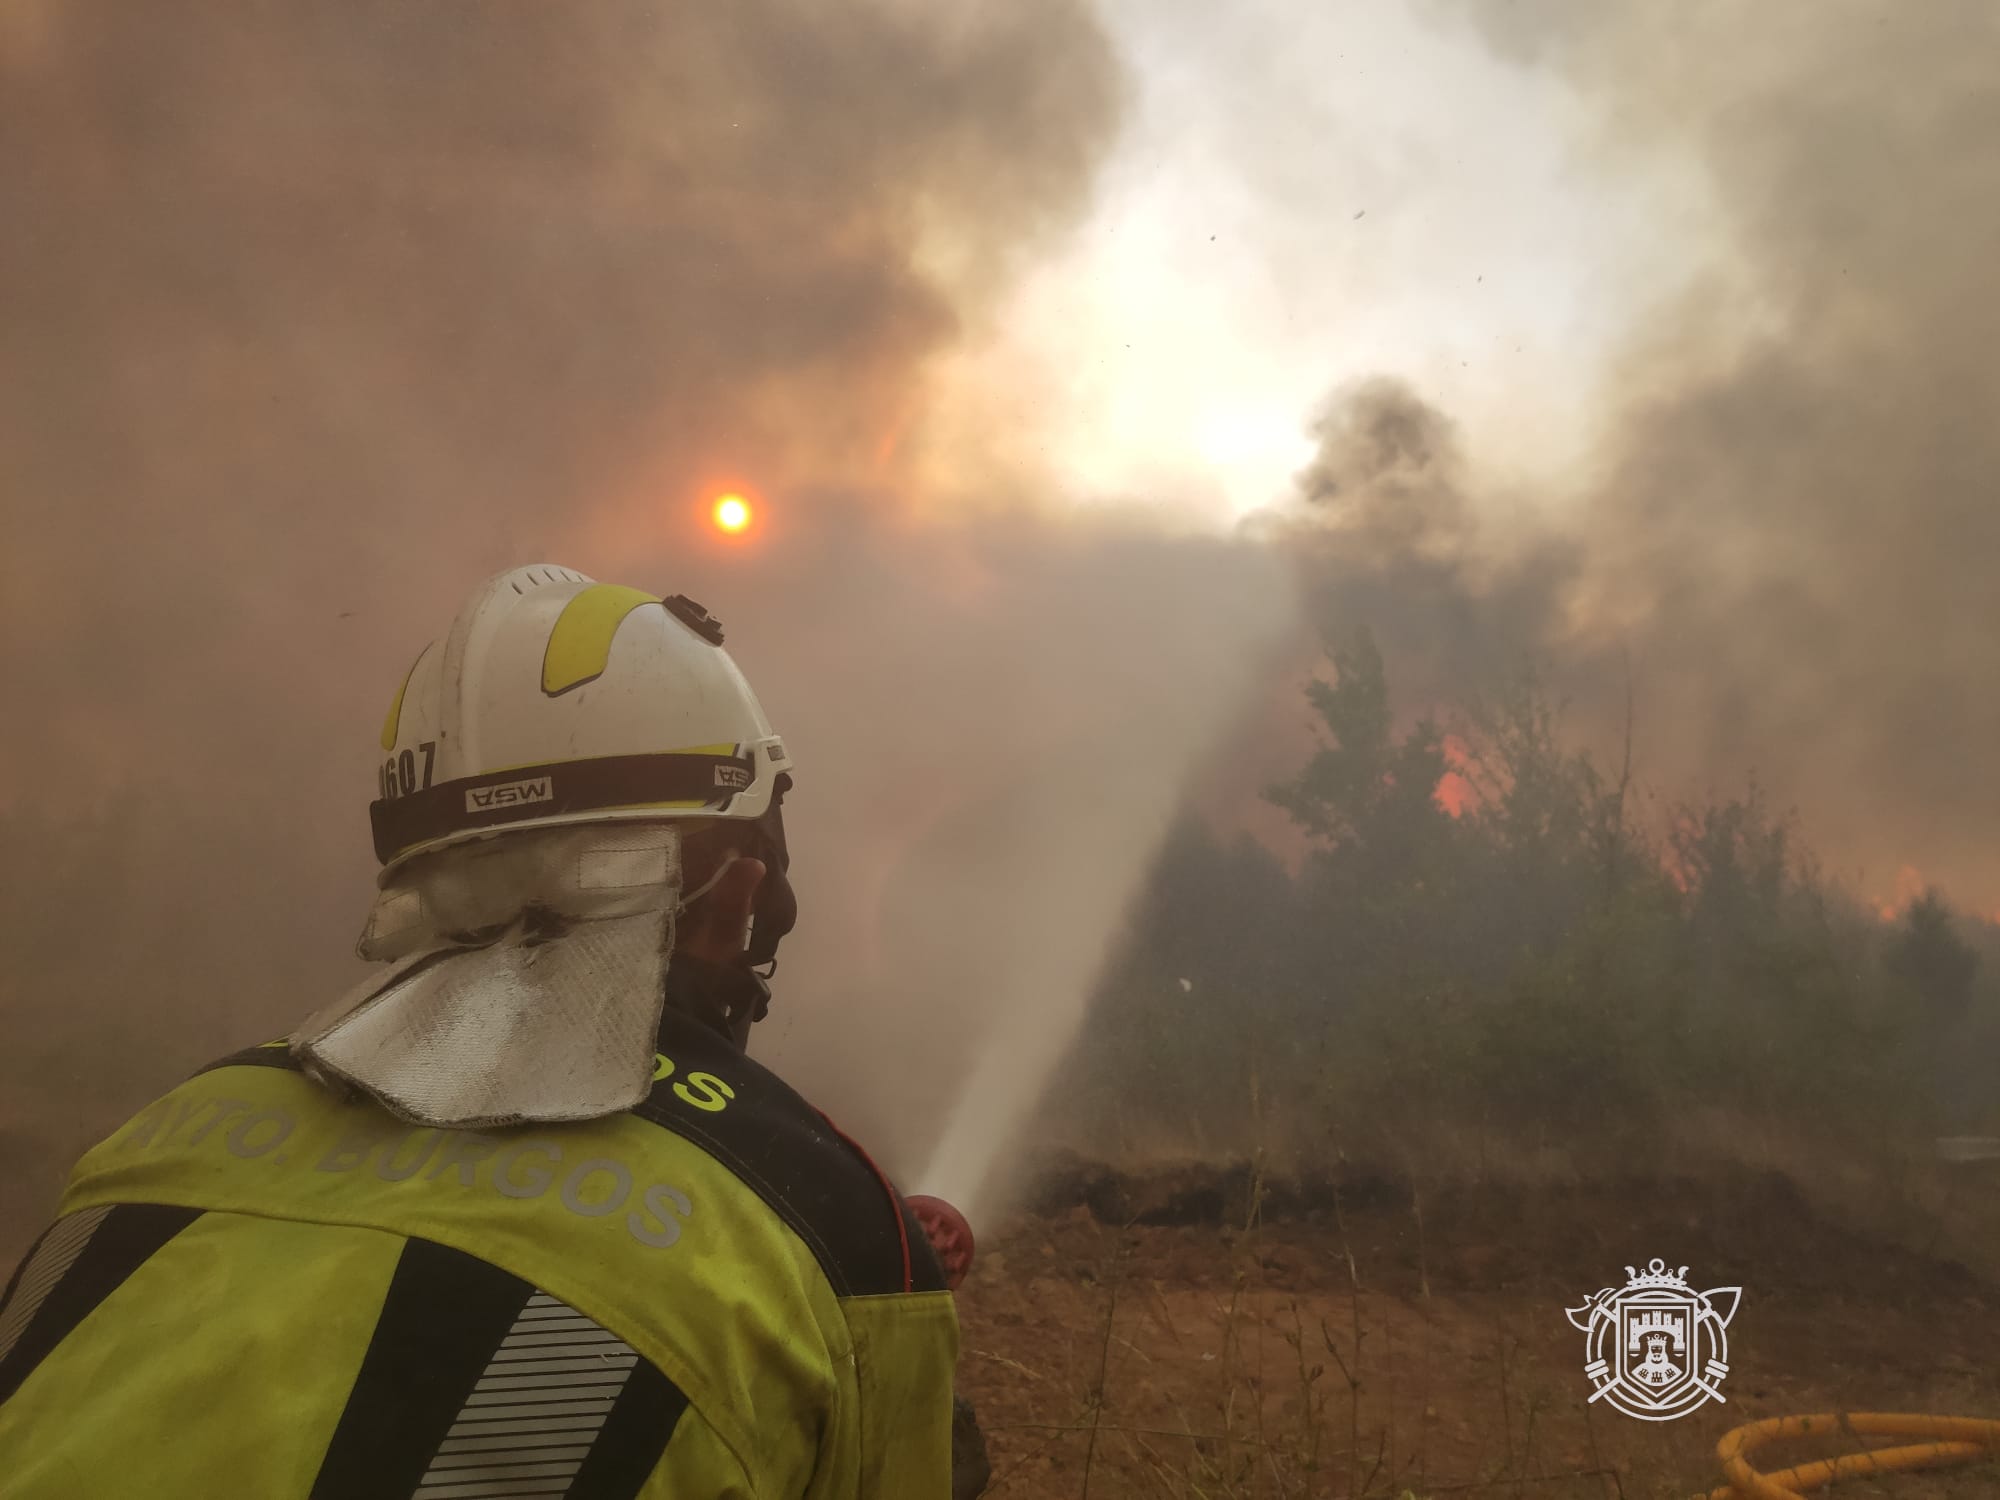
x,y
1788,538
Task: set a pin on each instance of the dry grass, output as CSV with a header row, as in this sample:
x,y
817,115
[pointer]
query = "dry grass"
x,y
1280,1361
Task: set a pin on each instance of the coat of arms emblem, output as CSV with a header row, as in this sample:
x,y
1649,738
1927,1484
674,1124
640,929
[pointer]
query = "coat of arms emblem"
x,y
1656,1348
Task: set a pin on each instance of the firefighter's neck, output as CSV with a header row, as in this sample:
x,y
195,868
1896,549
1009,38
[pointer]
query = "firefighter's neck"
x,y
721,996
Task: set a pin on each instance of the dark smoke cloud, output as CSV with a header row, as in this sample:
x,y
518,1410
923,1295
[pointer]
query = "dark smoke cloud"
x,y
1793,540
1395,532
303,301
318,313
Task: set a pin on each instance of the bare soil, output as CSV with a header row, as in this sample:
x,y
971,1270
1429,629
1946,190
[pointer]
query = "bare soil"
x,y
1150,1335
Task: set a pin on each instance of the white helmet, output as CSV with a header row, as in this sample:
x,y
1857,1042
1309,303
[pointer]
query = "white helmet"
x,y
556,699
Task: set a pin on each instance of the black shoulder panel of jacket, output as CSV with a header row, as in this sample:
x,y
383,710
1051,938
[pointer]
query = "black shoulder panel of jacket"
x,y
738,1111
814,1178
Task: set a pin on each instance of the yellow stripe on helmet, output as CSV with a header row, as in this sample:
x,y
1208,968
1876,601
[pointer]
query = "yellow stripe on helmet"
x,y
394,722
580,645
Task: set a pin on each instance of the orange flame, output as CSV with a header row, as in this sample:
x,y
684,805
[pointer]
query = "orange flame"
x,y
1909,886
1454,791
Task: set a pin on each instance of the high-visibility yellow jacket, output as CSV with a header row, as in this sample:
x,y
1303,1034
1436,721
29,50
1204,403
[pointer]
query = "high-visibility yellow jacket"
x,y
256,1288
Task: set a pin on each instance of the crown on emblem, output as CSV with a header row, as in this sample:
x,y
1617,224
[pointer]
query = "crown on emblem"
x,y
1655,1274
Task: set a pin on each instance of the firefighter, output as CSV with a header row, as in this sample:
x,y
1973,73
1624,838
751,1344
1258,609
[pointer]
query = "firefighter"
x,y
516,1216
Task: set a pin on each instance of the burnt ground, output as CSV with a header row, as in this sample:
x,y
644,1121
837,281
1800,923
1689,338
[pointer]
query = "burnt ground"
x,y
1130,1336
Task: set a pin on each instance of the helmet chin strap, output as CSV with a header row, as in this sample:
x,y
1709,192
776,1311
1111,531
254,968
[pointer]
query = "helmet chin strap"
x,y
749,1000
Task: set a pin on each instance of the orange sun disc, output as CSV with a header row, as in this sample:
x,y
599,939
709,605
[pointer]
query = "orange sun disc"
x,y
732,512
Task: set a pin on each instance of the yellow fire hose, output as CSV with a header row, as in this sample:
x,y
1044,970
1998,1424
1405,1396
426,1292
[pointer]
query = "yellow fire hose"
x,y
1951,1440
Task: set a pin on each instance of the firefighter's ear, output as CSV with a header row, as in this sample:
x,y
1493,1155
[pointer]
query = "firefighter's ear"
x,y
717,927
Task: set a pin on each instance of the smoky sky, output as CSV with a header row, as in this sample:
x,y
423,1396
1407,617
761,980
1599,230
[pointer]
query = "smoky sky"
x,y
1788,540
304,299
318,314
